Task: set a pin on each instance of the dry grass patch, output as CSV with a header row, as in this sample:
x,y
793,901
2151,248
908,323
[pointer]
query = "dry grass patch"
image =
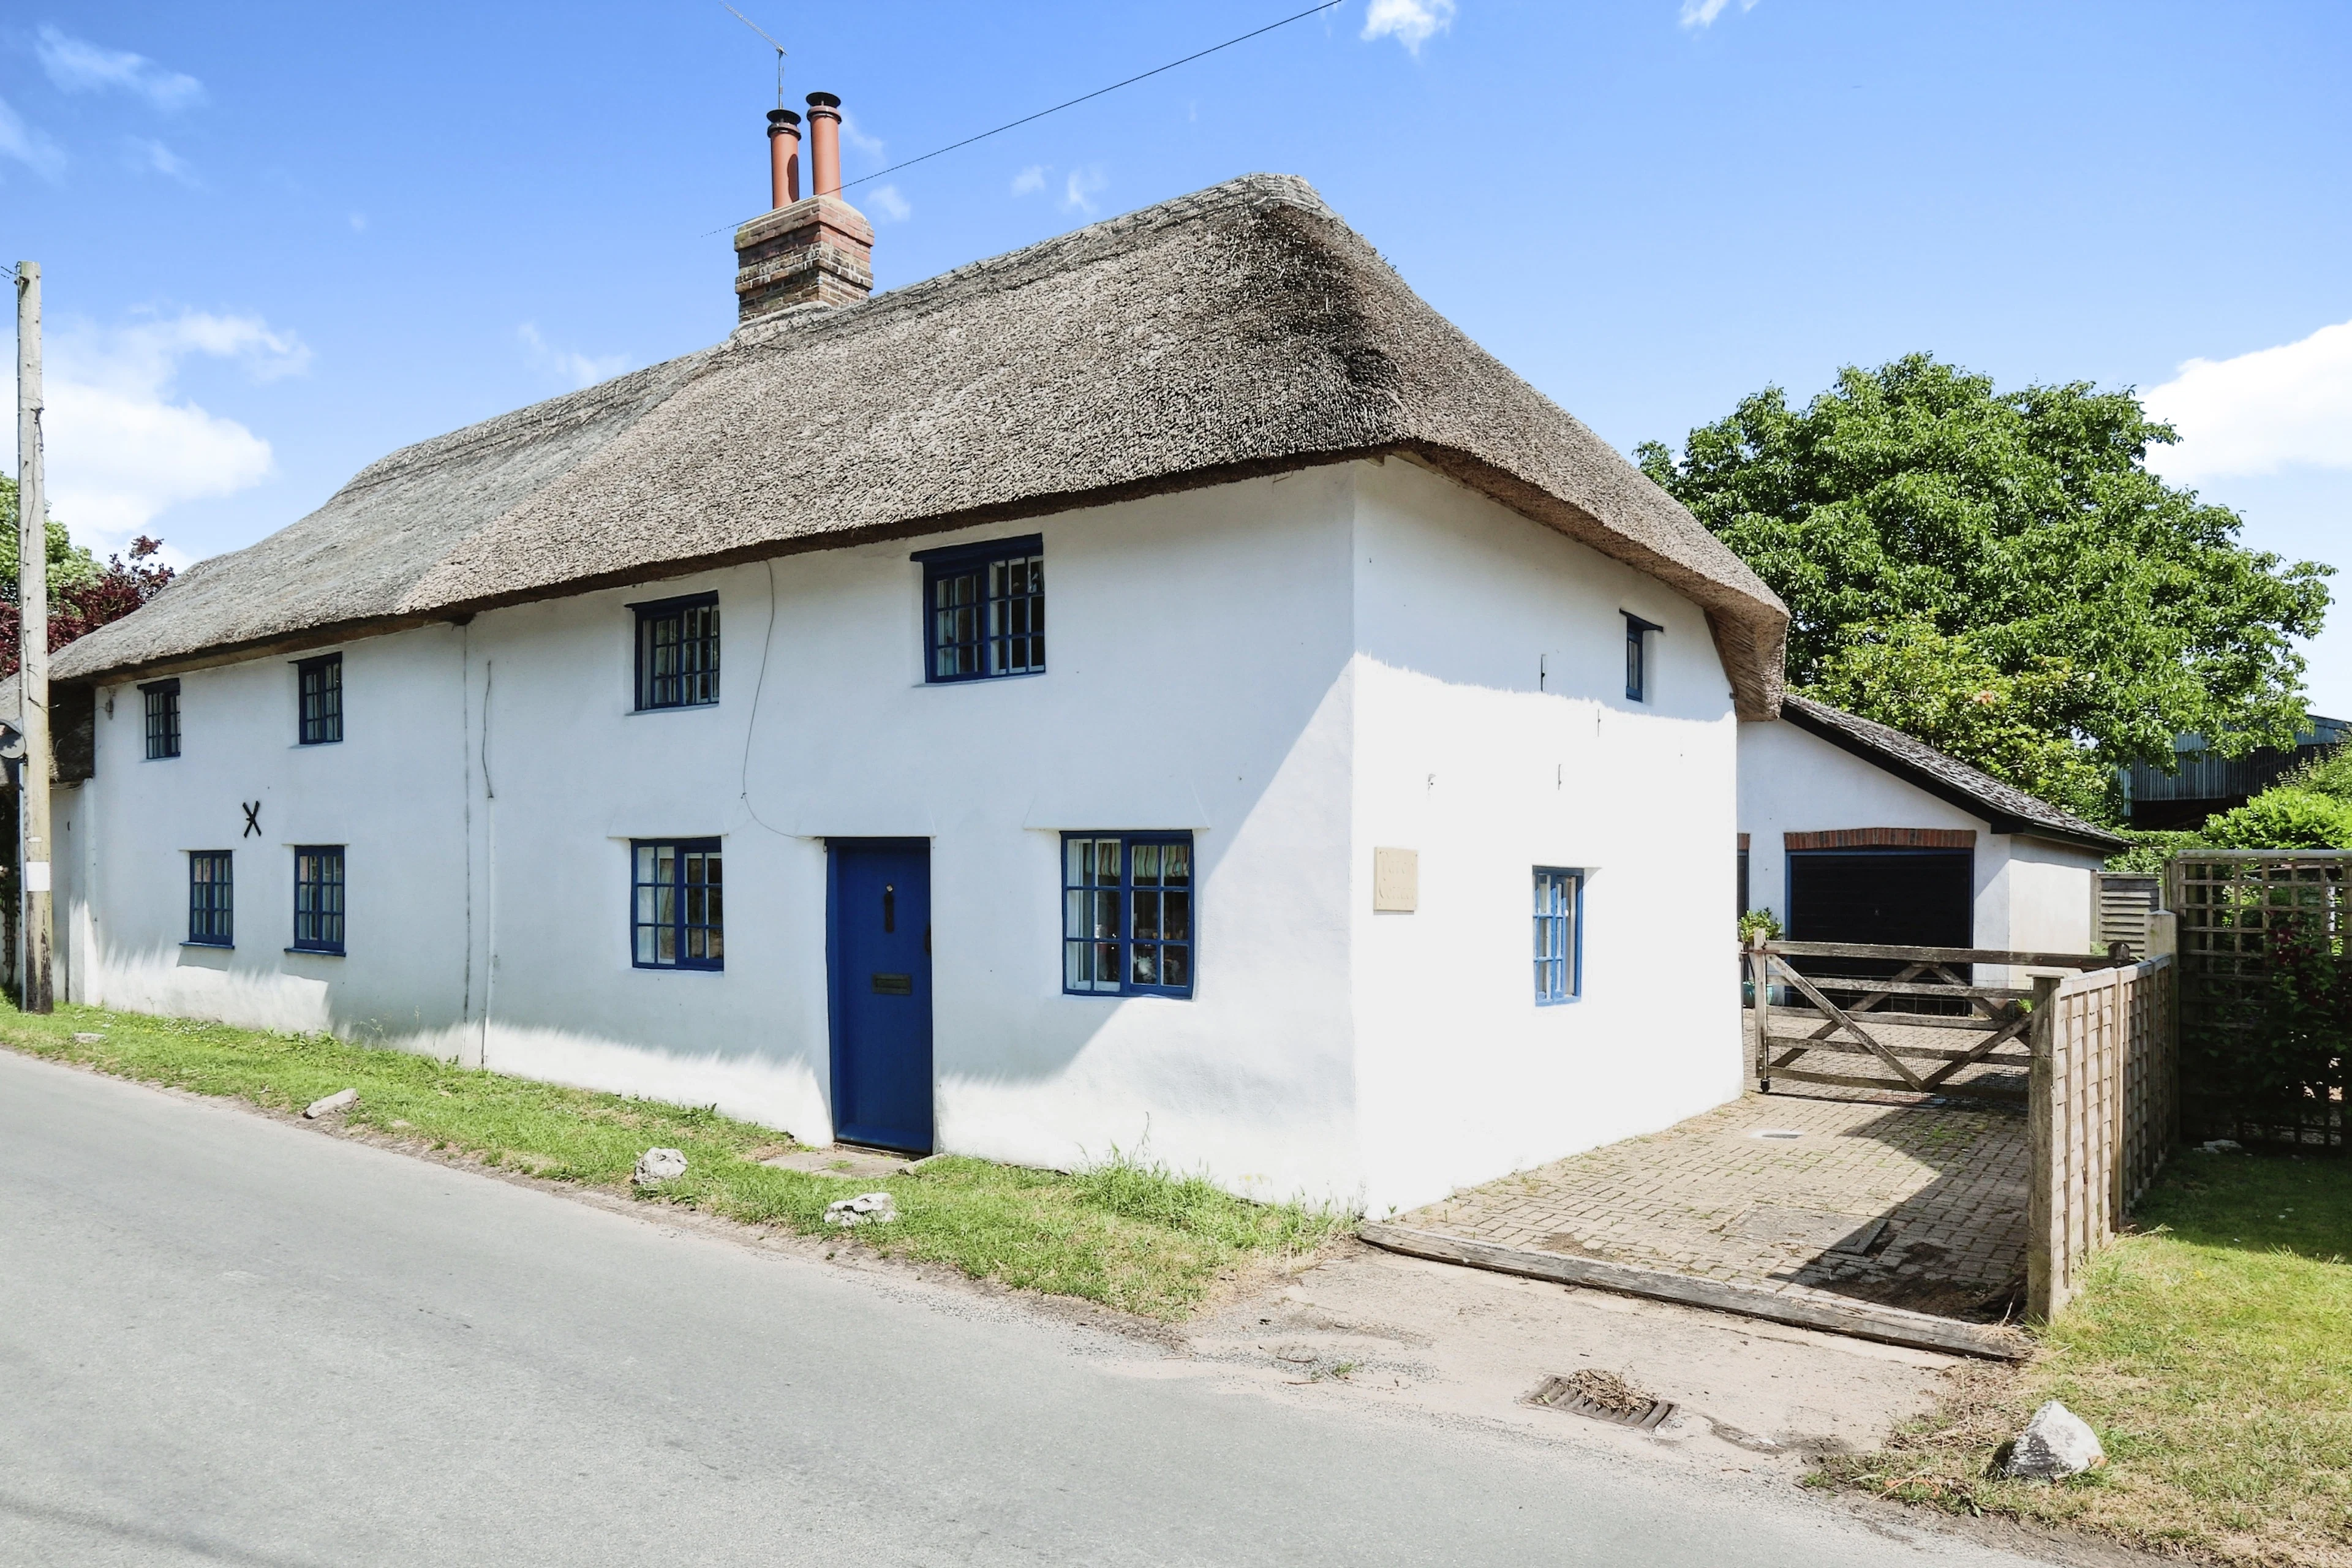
x,y
2211,1353
1125,1233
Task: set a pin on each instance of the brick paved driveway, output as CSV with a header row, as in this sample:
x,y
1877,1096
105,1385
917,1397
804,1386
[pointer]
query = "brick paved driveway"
x,y
1916,1205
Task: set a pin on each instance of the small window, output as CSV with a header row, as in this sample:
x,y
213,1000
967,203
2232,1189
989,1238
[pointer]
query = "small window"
x,y
163,701
321,681
678,905
985,609
677,652
1637,672
211,906
319,898
1560,902
1127,914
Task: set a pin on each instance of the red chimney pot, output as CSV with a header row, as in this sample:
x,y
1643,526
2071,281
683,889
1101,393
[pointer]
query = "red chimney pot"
x,y
825,144
784,157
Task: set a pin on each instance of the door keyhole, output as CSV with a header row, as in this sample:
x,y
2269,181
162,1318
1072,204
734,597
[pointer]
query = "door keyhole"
x,y
889,908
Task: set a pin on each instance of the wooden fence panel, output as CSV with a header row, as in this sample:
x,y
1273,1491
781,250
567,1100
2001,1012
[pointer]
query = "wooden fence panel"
x,y
2103,1106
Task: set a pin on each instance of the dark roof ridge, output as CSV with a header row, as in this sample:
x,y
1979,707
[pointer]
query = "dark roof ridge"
x,y
2004,807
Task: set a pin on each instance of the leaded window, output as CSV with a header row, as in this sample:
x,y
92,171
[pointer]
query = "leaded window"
x,y
984,607
319,898
321,708
161,702
211,899
677,652
1559,898
1129,915
678,904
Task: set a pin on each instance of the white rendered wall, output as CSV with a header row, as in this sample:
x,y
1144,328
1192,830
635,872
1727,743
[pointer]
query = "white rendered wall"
x,y
1494,736
492,774
393,792
1280,666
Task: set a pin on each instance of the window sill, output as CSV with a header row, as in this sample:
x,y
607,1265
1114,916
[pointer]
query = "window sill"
x,y
672,708
314,745
216,946
1131,996
679,968
931,684
316,952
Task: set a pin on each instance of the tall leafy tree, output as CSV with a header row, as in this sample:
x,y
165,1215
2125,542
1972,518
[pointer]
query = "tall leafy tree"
x,y
83,595
2000,573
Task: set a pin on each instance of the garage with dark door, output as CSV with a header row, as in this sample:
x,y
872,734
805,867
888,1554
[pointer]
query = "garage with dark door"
x,y
1906,898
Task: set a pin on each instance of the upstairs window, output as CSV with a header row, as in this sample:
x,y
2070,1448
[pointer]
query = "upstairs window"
x,y
984,607
211,890
1560,908
162,704
677,652
1127,916
321,711
677,916
319,898
1637,672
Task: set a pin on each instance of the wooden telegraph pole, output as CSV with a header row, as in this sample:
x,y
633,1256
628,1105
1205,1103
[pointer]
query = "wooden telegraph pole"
x,y
33,646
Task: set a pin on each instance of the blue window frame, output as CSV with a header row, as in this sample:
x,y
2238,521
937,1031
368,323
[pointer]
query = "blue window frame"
x,y
678,904
321,712
318,898
1129,917
984,609
677,652
1637,662
162,699
211,899
1559,936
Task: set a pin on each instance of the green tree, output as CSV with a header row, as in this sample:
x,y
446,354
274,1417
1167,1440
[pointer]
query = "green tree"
x,y
2004,569
70,565
2282,817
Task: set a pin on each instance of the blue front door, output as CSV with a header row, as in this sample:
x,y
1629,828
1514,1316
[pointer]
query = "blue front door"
x,y
880,925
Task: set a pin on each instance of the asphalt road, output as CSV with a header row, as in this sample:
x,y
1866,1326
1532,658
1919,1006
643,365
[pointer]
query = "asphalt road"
x,y
224,1339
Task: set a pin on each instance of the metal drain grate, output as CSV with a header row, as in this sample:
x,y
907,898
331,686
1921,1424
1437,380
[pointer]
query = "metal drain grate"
x,y
1555,1393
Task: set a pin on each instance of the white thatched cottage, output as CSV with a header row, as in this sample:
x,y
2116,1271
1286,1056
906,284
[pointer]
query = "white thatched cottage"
x,y
1351,826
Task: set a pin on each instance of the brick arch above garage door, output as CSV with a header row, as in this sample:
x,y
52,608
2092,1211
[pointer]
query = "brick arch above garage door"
x,y
1883,838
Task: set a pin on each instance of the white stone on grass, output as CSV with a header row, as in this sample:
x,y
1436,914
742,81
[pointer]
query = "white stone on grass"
x,y
865,1208
341,1099
2056,1443
659,1165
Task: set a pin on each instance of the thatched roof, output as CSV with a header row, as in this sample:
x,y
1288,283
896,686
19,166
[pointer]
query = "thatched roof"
x,y
1243,330
2005,808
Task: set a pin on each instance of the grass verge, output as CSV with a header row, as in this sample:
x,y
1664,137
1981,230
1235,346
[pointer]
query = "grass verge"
x,y
1130,1235
2212,1353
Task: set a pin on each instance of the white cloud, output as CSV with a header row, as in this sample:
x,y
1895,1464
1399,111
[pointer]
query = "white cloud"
x,y
576,369
150,156
1702,13
77,64
1029,181
123,444
869,145
2261,412
1412,22
888,204
1079,191
29,146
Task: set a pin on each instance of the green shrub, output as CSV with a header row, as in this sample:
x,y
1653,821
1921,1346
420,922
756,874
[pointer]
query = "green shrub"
x,y
2285,818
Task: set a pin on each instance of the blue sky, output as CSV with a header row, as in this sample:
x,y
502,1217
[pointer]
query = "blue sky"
x,y
280,240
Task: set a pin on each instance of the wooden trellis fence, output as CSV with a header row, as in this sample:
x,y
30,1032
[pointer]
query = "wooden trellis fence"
x,y
2231,904
2103,1111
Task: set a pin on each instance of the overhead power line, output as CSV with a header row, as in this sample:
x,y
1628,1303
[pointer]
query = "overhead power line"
x,y
1083,98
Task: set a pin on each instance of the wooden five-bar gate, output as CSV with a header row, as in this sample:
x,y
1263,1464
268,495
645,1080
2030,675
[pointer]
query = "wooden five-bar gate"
x,y
1908,1030
2094,1054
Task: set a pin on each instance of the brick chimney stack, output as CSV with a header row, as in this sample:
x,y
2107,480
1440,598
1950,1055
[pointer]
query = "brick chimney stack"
x,y
811,250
